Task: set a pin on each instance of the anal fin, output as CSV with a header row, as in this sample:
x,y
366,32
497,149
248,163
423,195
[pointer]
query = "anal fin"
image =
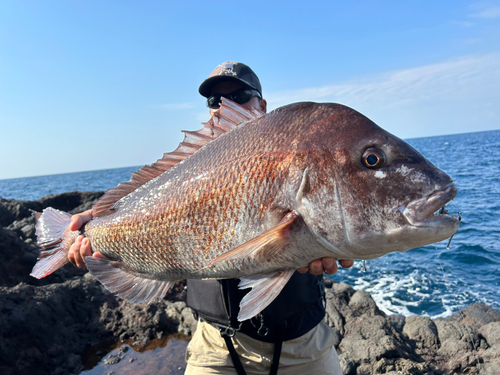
x,y
125,284
264,290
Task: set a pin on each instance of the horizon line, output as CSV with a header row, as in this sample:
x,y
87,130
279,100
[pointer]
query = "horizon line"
x,y
139,167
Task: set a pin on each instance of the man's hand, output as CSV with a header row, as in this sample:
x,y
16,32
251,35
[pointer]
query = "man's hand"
x,y
326,265
81,248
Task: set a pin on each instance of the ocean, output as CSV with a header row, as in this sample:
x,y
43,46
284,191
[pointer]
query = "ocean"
x,y
434,280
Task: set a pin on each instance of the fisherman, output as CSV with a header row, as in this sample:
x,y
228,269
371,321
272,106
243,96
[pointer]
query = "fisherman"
x,y
291,332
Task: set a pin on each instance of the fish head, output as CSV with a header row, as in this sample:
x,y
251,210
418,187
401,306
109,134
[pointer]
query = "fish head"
x,y
372,193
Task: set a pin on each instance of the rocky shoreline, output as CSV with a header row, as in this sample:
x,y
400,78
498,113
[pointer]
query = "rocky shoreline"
x,y
46,325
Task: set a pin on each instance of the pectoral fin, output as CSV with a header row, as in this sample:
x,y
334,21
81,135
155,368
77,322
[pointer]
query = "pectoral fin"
x,y
264,290
265,246
124,283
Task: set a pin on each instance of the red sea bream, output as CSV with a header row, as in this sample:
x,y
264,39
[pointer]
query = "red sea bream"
x,y
256,201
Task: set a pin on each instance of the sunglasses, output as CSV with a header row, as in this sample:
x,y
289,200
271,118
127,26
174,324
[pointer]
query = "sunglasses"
x,y
240,97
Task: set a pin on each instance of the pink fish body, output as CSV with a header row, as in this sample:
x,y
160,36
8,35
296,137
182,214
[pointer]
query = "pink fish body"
x,y
257,202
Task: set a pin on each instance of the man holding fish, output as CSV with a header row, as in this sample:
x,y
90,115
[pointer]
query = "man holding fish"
x,y
291,333
256,196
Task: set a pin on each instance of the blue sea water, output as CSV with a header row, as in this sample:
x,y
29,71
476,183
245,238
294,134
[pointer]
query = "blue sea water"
x,y
431,280
33,188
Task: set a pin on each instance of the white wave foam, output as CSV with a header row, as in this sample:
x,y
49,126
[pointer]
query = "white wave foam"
x,y
435,295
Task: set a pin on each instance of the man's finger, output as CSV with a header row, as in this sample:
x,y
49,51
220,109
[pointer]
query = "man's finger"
x,y
78,220
76,249
329,265
86,249
83,250
303,269
346,263
71,253
100,256
316,267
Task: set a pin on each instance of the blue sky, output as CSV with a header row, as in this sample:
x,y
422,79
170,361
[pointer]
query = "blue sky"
x,y
88,85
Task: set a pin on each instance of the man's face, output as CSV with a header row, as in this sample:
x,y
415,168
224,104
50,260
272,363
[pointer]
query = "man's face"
x,y
231,86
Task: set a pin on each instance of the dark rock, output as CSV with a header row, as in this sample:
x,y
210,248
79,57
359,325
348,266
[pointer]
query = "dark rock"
x,y
490,367
25,228
371,338
189,322
6,217
456,331
340,294
111,360
373,343
144,322
72,202
337,307
346,364
397,321
334,318
362,303
14,267
369,341
328,283
123,350
491,332
28,343
476,315
82,313
423,330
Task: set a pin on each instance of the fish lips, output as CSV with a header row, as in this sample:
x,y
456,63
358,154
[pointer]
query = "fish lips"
x,y
420,212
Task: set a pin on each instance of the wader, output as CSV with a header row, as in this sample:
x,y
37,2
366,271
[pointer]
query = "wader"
x,y
298,308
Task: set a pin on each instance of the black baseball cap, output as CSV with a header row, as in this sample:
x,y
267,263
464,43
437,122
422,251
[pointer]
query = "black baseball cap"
x,y
228,71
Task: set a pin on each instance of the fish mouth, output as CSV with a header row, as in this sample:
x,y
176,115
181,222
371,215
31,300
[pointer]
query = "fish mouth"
x,y
423,211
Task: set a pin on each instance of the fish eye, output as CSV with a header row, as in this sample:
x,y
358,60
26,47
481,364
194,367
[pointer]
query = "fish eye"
x,y
373,158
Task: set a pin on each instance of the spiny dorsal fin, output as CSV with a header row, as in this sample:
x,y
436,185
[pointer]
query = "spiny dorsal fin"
x,y
228,117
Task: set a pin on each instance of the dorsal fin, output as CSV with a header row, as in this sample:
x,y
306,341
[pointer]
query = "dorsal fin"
x,y
228,117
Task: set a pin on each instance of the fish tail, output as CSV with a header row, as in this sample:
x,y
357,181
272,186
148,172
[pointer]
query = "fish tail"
x,y
54,239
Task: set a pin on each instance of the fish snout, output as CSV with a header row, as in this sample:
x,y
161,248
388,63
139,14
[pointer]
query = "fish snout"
x,y
418,211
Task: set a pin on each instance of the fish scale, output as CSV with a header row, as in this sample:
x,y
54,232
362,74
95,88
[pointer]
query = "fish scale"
x,y
183,221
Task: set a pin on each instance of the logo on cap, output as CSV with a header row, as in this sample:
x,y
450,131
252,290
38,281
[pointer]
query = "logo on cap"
x,y
227,69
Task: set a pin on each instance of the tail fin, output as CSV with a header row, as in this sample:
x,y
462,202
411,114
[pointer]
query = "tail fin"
x,y
54,238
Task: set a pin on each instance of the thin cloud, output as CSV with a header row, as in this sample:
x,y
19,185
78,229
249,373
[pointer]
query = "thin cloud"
x,y
449,80
462,23
491,12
